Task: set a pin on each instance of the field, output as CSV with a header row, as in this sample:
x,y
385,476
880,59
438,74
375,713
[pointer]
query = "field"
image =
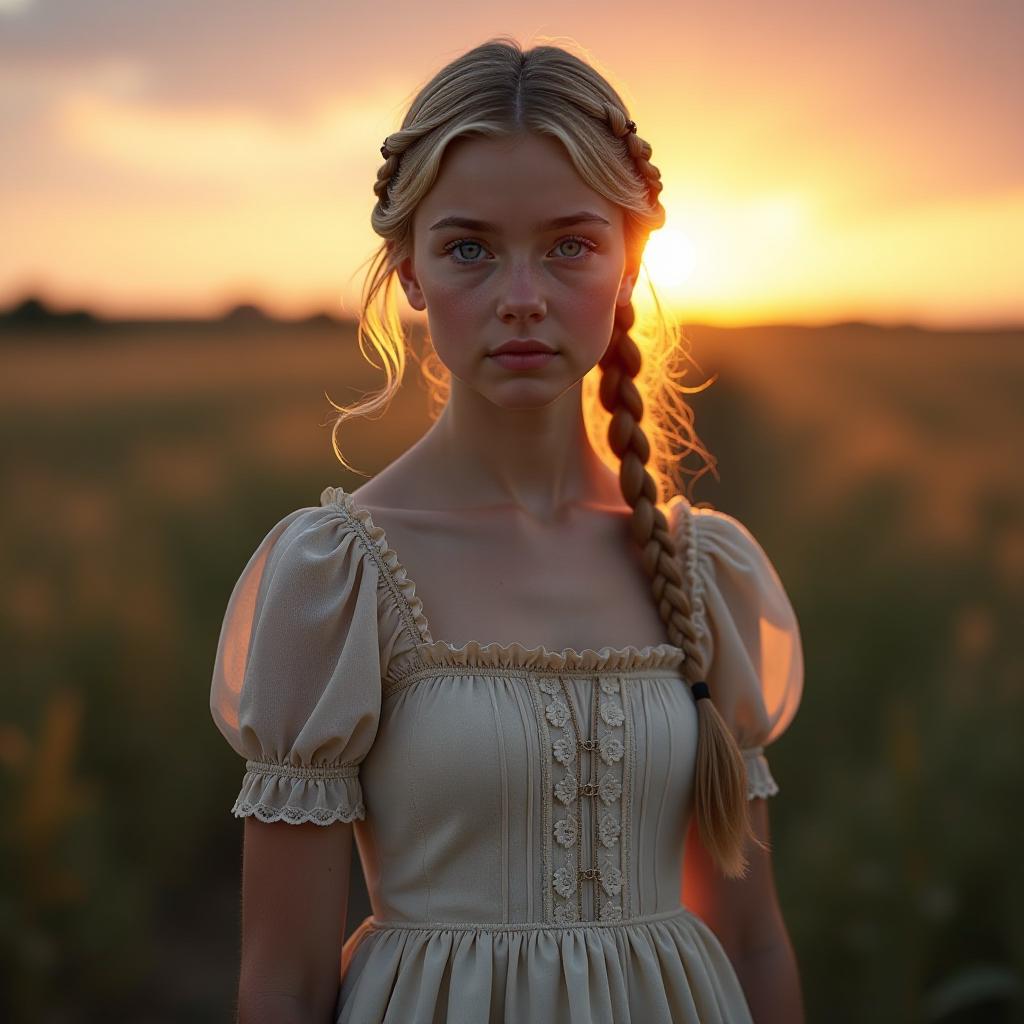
x,y
880,468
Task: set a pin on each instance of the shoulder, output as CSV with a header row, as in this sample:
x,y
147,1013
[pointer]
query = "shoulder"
x,y
749,647
683,515
314,568
711,541
309,548
309,523
400,609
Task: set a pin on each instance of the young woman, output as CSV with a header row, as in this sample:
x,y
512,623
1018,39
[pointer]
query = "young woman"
x,y
560,813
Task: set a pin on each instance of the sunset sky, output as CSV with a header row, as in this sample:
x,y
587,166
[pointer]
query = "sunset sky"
x,y
821,161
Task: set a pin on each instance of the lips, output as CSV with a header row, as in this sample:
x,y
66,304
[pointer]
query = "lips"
x,y
522,346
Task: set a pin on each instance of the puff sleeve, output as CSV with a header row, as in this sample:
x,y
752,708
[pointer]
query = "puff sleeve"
x,y
296,685
749,636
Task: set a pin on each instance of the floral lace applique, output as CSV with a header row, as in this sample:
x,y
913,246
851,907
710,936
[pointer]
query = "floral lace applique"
x,y
609,789
609,830
611,748
611,878
607,786
567,830
565,878
611,712
567,789
557,713
565,913
601,779
564,751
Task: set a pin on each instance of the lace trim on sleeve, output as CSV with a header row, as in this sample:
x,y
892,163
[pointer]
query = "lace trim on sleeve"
x,y
321,794
759,776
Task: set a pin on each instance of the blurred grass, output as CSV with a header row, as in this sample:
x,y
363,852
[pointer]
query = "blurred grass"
x,y
879,468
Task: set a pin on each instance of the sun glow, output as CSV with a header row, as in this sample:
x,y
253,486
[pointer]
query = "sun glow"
x,y
670,258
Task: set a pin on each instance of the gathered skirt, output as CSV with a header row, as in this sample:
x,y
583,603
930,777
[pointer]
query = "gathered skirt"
x,y
661,969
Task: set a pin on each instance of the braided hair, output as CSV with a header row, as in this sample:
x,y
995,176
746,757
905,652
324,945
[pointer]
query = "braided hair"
x,y
720,793
498,89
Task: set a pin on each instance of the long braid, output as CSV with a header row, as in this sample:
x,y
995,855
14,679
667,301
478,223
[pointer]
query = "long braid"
x,y
720,791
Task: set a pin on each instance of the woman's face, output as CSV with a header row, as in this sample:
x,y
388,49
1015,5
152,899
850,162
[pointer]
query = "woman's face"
x,y
490,264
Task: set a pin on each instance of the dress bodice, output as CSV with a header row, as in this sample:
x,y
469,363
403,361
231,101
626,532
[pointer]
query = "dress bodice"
x,y
571,777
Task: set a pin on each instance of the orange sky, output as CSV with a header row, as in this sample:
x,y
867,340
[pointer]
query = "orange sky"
x,y
820,161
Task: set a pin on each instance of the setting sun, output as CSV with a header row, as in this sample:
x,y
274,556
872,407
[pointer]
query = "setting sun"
x,y
670,258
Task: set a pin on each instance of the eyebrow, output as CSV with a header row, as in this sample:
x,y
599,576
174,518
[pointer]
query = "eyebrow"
x,y
583,217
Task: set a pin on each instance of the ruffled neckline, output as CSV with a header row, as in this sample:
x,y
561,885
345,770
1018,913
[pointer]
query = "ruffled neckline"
x,y
340,498
498,655
515,655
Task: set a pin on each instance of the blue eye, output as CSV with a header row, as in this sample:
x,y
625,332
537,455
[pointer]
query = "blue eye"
x,y
452,246
588,246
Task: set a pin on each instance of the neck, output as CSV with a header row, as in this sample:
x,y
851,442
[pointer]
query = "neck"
x,y
539,459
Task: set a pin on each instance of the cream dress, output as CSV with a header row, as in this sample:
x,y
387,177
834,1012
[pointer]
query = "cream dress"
x,y
520,813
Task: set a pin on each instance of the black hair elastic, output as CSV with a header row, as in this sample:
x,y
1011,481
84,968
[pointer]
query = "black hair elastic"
x,y
700,690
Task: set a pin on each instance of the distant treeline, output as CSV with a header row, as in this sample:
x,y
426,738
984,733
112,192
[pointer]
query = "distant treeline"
x,y
33,313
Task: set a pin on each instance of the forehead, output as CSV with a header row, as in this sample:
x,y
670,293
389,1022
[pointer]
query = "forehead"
x,y
514,183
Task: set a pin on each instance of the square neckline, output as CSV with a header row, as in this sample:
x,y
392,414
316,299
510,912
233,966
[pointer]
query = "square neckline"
x,y
495,654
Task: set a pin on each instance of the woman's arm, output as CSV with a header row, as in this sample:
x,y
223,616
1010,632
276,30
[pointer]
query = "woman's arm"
x,y
745,916
294,903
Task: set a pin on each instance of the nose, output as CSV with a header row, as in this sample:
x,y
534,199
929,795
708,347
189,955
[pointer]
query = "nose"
x,y
520,298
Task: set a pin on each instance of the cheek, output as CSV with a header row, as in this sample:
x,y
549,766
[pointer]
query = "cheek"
x,y
452,306
455,315
589,310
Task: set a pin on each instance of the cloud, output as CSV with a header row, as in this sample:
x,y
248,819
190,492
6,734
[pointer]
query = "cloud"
x,y
221,145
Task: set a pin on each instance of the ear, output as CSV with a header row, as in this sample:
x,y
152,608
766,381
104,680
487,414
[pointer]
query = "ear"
x,y
410,284
629,276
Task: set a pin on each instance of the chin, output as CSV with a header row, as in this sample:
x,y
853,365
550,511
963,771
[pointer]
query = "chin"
x,y
512,393
526,394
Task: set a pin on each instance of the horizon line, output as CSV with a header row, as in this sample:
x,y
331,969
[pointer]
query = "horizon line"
x,y
34,310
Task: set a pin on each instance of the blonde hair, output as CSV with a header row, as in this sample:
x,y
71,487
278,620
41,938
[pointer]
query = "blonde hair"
x,y
497,89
